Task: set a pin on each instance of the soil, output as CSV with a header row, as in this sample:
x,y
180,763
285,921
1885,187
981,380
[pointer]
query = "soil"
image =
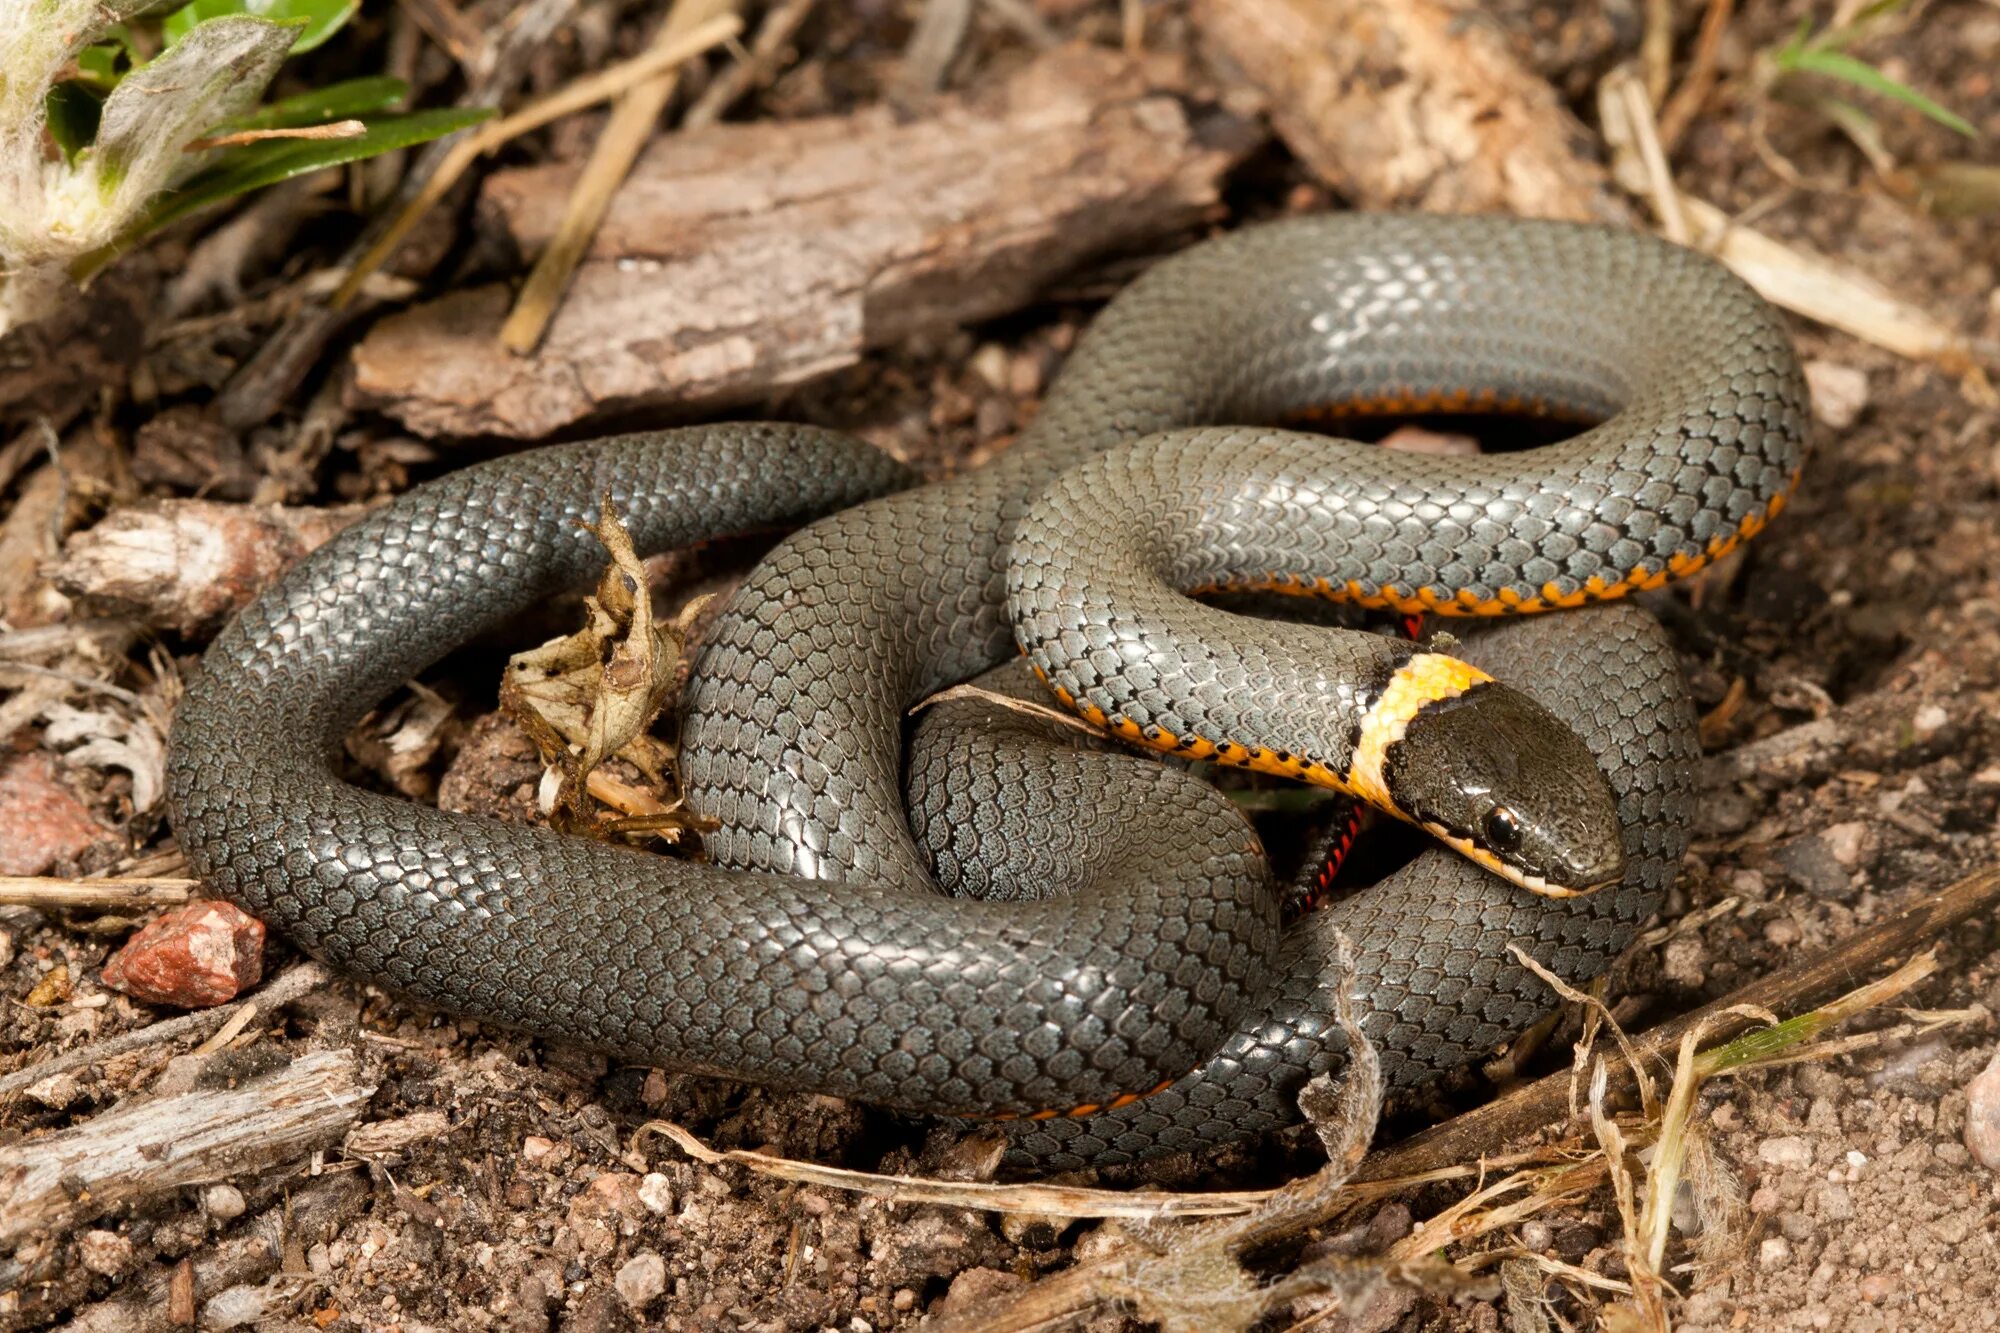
x,y
1872,607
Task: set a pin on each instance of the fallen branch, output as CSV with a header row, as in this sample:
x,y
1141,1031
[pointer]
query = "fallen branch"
x,y
1412,104
739,260
139,1152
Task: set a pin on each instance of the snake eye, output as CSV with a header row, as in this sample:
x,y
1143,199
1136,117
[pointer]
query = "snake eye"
x,y
1500,830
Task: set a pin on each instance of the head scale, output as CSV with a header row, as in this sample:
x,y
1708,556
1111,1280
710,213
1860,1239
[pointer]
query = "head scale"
x,y
1503,780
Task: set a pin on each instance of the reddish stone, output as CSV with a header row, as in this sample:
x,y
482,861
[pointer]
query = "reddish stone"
x,y
194,956
41,820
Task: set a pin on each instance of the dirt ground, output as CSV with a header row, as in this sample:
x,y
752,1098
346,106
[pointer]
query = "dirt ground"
x,y
1848,664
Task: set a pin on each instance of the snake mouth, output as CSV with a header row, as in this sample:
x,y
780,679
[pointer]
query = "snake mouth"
x,y
1538,885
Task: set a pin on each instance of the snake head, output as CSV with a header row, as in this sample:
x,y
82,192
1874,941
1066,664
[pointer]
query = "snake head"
x,y
1495,775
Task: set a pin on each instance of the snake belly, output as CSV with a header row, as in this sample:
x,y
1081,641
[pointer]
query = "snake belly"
x,y
815,952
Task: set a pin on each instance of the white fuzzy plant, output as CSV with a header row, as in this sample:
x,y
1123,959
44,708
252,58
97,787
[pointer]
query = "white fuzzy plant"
x,y
54,211
65,210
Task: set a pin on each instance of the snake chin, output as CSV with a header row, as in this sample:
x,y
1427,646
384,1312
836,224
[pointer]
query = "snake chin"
x,y
1496,776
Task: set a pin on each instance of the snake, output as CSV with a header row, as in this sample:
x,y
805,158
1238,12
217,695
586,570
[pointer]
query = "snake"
x,y
1128,987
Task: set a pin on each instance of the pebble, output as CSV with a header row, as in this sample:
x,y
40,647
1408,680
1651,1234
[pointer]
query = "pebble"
x,y
1775,1252
1844,841
656,1192
1839,393
1929,720
1982,1115
105,1252
642,1280
1877,1287
1789,1151
1782,932
1809,863
535,1148
224,1203
56,1091
195,956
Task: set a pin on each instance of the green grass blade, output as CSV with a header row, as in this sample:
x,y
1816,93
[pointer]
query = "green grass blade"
x,y
350,100
1838,65
254,166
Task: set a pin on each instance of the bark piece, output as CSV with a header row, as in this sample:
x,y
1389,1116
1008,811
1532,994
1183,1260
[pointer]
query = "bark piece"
x,y
1412,104
42,822
188,565
135,1153
192,957
739,259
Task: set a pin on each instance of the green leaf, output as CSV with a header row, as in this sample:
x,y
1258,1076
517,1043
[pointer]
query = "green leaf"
x,y
1839,65
73,114
253,166
318,19
350,100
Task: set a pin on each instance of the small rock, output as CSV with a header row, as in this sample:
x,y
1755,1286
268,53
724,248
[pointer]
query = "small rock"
x,y
240,1307
1844,841
105,1252
656,1192
1839,393
1929,720
1782,932
1982,1115
1685,960
1877,1287
1775,1252
973,1289
1766,1200
1836,1204
53,989
535,1149
1809,863
1537,1236
1788,1152
224,1203
57,1091
612,1198
203,954
642,1280
42,822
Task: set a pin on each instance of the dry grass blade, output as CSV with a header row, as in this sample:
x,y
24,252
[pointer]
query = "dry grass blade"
x,y
1194,1277
63,895
1533,1108
1648,1098
631,124
1030,1198
1026,707
1647,1226
1805,284
1680,110
468,149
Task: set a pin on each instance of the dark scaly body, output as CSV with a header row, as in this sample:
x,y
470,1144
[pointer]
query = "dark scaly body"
x,y
846,973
